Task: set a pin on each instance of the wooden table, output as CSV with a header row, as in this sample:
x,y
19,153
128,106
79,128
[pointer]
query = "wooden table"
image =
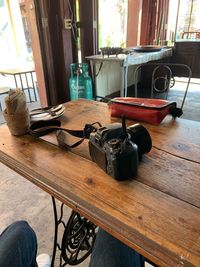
x,y
157,213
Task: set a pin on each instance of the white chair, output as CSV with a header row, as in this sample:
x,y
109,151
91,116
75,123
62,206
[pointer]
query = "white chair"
x,y
161,77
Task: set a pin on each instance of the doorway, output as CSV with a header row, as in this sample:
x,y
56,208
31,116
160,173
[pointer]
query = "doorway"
x,y
15,45
16,52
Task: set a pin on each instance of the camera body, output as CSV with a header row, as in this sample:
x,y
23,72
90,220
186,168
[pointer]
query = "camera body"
x,y
117,150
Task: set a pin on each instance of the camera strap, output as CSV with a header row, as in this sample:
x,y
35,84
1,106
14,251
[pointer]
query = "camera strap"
x,y
41,128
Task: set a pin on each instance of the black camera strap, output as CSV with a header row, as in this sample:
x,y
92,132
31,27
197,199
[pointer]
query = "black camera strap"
x,y
41,128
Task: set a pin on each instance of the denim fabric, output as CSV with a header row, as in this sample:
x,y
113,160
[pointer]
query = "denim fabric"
x,y
110,252
18,246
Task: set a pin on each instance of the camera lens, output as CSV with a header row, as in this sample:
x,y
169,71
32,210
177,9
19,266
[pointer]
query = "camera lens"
x,y
141,137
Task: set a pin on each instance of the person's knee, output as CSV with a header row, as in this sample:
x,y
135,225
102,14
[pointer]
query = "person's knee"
x,y
20,230
21,227
20,224
18,242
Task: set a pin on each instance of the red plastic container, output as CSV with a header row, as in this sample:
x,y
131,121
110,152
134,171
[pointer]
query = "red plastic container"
x,y
142,109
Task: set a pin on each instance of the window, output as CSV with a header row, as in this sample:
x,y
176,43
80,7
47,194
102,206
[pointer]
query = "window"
x,y
188,22
112,23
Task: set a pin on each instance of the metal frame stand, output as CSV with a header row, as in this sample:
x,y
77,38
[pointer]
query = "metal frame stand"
x,y
77,240
28,87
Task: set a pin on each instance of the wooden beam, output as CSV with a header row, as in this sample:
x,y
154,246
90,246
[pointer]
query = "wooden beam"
x,y
88,11
56,47
133,22
148,24
35,44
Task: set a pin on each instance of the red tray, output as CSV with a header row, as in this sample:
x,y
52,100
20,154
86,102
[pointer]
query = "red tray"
x,y
142,109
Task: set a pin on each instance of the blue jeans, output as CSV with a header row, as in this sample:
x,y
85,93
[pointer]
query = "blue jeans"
x,y
110,252
18,246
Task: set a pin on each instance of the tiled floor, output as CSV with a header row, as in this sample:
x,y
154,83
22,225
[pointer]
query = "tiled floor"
x,y
19,199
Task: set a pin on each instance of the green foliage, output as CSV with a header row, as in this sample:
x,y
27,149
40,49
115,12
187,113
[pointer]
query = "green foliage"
x,y
108,41
112,23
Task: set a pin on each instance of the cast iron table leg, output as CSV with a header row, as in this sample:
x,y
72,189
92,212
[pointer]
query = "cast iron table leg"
x,y
77,240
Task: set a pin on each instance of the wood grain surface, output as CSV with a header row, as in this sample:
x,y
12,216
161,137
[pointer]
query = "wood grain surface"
x,y
157,213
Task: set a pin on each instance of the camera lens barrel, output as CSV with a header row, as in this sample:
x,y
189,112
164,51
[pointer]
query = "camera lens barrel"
x,y
141,137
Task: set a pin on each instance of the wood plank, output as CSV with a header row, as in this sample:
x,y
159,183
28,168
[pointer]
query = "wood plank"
x,y
149,221
151,213
159,170
169,147
169,136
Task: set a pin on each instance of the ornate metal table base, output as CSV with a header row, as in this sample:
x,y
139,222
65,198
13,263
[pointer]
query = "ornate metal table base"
x,y
77,240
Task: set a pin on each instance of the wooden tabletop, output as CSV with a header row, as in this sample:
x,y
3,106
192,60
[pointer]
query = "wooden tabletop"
x,y
157,213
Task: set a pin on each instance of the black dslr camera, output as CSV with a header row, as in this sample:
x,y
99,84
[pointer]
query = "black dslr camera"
x,y
117,149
